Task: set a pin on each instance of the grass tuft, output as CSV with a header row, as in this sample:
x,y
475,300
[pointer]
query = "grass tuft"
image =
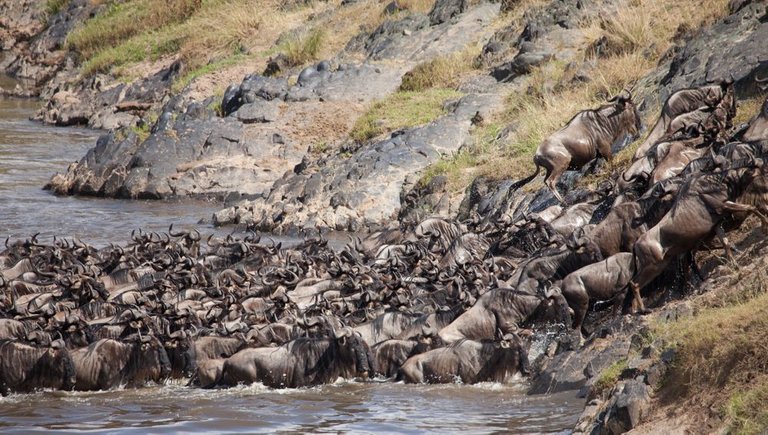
x,y
747,411
53,7
300,50
401,110
608,378
441,72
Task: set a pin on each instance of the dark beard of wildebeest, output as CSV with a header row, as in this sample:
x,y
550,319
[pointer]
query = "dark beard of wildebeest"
x,y
702,204
588,135
25,368
468,360
109,363
681,102
502,311
301,362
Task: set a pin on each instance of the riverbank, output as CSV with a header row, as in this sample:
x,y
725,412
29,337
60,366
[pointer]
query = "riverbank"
x,y
420,109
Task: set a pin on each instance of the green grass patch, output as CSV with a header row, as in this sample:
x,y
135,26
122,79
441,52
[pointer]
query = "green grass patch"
x,y
147,46
302,49
52,7
124,20
608,378
208,68
747,410
401,110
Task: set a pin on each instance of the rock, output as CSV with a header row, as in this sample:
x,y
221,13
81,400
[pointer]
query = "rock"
x,y
422,201
385,38
445,10
266,111
571,370
363,188
522,64
626,408
277,65
734,46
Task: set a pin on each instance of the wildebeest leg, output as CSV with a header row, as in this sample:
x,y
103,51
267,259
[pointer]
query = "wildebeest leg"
x,y
736,207
555,166
726,246
578,299
637,300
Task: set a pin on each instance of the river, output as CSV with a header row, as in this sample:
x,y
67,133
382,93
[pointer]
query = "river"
x,y
30,153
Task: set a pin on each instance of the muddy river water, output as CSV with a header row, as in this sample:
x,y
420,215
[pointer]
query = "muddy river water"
x,y
30,153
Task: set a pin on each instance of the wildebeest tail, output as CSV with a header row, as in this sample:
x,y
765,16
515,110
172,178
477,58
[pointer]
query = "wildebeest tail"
x,y
518,184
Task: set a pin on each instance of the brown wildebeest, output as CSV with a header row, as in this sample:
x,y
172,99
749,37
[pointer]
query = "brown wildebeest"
x,y
588,135
681,102
502,311
470,361
25,368
702,204
301,362
758,126
602,281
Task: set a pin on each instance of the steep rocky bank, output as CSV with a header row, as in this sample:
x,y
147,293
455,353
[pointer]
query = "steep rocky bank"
x,y
278,148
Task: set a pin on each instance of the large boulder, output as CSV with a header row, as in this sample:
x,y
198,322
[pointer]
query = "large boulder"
x,y
732,47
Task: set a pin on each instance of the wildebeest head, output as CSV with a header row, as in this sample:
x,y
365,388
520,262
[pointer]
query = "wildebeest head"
x,y
181,354
148,360
626,109
57,363
353,351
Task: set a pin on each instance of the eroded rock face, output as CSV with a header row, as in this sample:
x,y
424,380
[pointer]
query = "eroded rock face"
x,y
348,192
33,44
734,46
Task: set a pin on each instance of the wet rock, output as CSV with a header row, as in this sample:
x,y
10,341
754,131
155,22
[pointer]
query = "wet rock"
x,y
445,10
626,408
571,370
422,201
734,46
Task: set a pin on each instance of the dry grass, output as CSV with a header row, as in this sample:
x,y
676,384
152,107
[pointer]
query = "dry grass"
x,y
401,110
748,108
637,36
209,31
122,21
721,352
441,72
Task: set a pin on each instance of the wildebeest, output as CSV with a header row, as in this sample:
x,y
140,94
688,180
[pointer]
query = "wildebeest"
x,y
109,363
589,134
468,361
301,362
503,310
702,203
391,354
600,281
554,264
680,102
397,325
25,368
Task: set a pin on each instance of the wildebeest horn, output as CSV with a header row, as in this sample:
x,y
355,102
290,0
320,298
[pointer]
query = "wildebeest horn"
x,y
344,332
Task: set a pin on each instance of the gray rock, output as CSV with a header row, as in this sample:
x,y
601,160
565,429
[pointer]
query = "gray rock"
x,y
266,111
734,46
445,10
364,188
626,408
571,370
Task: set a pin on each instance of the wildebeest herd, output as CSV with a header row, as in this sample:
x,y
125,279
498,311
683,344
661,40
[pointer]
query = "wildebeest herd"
x,y
440,302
